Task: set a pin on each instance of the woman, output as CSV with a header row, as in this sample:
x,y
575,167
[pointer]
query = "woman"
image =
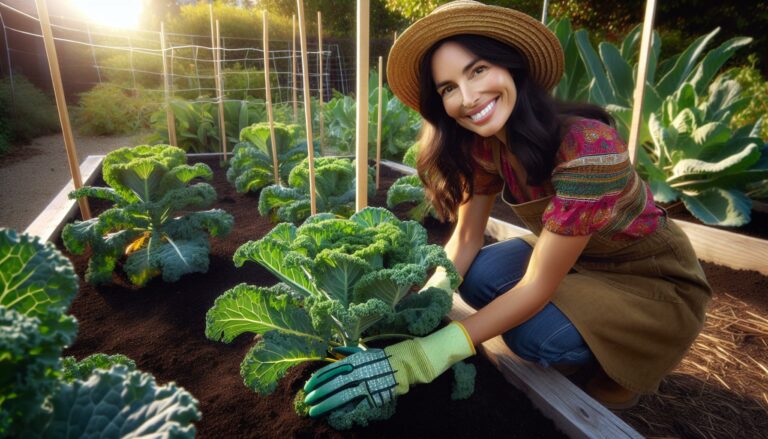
x,y
605,276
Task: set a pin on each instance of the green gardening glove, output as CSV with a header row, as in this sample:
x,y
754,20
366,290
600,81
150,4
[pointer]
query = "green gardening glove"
x,y
377,376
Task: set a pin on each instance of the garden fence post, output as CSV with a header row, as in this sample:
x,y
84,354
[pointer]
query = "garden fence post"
x,y
320,79
544,10
361,117
170,120
378,124
307,107
642,73
220,92
268,99
61,105
293,73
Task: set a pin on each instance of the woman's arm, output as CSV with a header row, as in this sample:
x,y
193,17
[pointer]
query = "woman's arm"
x,y
467,238
552,258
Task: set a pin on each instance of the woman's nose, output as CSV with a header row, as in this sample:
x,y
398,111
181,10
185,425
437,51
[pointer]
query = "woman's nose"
x,y
470,98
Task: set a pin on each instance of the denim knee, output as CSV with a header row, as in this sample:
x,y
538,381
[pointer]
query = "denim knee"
x,y
496,268
548,338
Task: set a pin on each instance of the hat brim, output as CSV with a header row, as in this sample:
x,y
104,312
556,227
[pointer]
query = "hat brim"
x,y
534,41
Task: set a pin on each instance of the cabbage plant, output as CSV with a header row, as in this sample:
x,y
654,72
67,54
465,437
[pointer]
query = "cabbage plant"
x,y
335,191
42,395
149,186
410,189
697,158
343,283
250,167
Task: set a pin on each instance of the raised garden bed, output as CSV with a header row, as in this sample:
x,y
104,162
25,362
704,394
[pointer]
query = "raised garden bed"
x,y
162,327
710,393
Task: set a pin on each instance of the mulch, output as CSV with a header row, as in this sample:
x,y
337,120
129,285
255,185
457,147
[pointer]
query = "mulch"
x,y
162,328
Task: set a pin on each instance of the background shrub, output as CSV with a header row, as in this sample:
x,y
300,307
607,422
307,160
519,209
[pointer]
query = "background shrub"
x,y
25,112
108,110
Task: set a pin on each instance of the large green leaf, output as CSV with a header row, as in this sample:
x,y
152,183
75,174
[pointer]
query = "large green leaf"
x,y
336,274
619,73
713,60
684,65
600,88
694,168
120,403
246,308
268,361
270,252
36,278
169,257
719,207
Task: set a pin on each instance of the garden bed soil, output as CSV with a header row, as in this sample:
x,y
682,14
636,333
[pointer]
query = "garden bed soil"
x,y
162,328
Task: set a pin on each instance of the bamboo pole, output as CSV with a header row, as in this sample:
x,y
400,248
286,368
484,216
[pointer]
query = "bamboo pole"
x,y
307,107
293,72
61,105
169,118
642,73
220,92
320,68
378,125
361,116
268,93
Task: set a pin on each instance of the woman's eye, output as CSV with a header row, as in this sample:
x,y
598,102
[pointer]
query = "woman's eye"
x,y
446,89
480,69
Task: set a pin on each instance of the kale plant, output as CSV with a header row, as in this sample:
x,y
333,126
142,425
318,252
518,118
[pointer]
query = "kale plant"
x,y
42,395
149,186
335,191
251,166
410,189
344,282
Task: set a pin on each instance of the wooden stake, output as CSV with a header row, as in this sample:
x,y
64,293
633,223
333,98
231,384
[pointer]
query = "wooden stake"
x,y
61,105
293,73
220,92
378,124
395,38
307,107
361,117
642,73
268,93
169,118
320,68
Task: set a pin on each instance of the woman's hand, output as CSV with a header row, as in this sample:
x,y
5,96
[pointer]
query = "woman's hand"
x,y
377,376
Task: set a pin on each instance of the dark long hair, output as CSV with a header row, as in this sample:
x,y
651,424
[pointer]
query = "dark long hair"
x,y
534,129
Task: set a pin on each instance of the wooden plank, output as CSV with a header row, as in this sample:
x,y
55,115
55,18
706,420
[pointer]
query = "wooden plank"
x,y
727,248
574,412
61,208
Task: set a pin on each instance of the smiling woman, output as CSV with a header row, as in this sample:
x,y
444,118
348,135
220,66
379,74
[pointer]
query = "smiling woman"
x,y
122,13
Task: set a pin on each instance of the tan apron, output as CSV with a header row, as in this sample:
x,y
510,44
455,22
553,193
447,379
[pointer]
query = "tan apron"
x,y
638,304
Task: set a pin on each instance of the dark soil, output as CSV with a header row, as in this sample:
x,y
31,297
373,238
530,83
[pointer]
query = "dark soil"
x,y
162,328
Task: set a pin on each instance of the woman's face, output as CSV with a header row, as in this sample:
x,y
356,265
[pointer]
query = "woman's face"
x,y
479,95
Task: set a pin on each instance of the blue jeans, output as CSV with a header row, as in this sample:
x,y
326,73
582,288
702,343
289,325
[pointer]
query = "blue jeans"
x,y
546,338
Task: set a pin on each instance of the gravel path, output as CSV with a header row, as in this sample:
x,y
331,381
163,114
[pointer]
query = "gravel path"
x,y
31,175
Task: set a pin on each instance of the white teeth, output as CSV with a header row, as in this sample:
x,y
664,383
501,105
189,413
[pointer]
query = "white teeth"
x,y
484,112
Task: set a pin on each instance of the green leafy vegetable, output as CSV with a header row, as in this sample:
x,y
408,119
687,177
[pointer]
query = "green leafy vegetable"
x,y
251,164
149,186
335,190
43,396
344,282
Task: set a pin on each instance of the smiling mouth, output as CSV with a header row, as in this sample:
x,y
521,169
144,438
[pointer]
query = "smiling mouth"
x,y
485,112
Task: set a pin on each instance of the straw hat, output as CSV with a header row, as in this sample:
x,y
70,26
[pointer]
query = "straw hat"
x,y
534,41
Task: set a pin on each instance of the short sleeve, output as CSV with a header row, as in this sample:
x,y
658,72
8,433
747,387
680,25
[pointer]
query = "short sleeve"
x,y
589,180
485,178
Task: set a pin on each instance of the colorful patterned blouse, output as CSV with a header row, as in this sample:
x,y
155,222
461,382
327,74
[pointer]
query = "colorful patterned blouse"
x,y
594,186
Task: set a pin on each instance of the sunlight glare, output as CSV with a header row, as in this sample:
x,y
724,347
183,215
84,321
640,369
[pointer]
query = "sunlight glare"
x,y
115,13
